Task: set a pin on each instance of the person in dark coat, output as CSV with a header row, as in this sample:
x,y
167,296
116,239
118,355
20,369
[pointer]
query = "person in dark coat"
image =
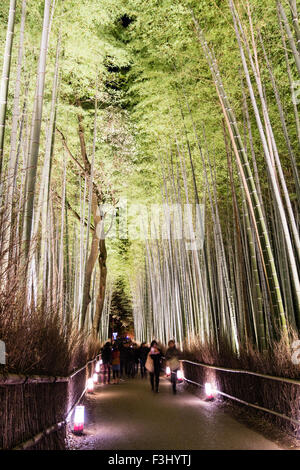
x,y
155,355
115,364
106,356
131,362
127,359
172,357
122,359
143,353
136,359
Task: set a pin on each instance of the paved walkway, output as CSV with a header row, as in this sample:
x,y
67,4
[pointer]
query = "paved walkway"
x,y
129,416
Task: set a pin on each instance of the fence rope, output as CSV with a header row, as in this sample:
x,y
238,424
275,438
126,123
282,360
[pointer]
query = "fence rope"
x,y
15,379
242,371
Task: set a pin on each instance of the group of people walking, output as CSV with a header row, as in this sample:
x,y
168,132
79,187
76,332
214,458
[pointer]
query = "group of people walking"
x,y
153,364
123,359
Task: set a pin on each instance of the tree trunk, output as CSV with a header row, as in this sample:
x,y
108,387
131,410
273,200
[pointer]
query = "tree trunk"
x,y
102,286
90,264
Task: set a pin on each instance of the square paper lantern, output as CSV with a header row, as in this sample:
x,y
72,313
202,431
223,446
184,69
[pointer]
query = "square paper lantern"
x,y
79,420
90,385
208,391
179,375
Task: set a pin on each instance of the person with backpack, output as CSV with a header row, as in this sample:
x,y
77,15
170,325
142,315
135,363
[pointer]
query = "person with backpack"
x,y
153,365
172,357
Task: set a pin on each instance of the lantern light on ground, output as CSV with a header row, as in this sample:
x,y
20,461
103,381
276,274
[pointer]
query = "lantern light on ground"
x,y
208,391
90,385
180,375
97,368
168,371
79,420
95,378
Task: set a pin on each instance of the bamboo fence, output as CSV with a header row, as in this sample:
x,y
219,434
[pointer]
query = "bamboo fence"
x,y
277,397
35,410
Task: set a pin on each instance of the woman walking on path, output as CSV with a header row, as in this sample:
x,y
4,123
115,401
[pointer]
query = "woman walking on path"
x,y
172,357
154,356
143,353
106,356
130,365
122,359
136,359
115,364
126,355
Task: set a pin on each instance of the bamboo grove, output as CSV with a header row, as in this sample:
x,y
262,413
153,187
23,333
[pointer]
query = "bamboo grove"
x,y
191,106
48,257
242,287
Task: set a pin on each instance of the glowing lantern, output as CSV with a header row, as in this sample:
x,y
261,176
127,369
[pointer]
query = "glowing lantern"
x,y
101,362
208,391
97,368
179,375
95,378
168,370
79,420
90,385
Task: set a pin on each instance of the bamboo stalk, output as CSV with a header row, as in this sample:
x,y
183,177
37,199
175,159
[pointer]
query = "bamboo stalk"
x,y
6,76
